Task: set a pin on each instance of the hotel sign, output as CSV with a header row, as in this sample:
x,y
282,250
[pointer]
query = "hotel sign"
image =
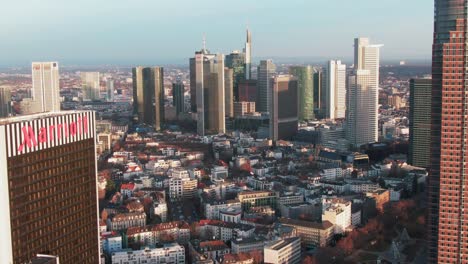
x,y
50,131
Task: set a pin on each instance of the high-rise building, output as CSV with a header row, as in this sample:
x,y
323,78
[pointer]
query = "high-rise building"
x,y
243,108
193,86
5,102
335,90
148,95
266,70
363,94
178,91
209,73
447,184
420,122
45,93
49,199
305,85
236,62
91,85
229,92
110,90
283,113
319,95
248,56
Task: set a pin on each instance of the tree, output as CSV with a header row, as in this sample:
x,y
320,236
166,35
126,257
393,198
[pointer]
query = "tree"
x,y
111,188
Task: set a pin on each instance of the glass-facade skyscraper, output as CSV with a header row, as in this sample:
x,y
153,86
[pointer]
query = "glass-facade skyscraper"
x,y
305,91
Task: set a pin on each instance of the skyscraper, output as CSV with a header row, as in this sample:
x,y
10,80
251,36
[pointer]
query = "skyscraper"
x,y
266,70
209,73
283,113
305,87
91,85
335,90
110,90
178,91
420,122
45,92
148,95
229,92
447,185
319,94
5,102
363,94
248,56
49,199
236,62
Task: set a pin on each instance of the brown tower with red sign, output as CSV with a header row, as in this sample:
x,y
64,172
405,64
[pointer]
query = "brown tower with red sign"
x,y
48,195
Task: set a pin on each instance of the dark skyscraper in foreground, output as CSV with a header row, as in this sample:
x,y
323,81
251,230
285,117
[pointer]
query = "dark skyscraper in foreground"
x,y
48,195
420,122
265,72
148,95
5,102
448,179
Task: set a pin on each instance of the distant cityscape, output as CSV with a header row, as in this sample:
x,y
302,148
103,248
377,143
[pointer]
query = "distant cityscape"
x,y
229,159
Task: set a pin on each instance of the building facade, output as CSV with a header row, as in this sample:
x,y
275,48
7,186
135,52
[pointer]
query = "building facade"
x,y
305,91
265,72
48,163
283,110
178,91
5,102
148,95
229,92
45,93
447,228
209,73
283,251
420,122
335,90
91,85
363,94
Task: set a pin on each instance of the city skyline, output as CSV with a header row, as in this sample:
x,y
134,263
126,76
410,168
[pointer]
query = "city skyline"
x,y
311,34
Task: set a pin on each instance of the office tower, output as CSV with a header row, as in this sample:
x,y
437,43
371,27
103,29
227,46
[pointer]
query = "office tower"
x,y
45,93
266,70
319,95
363,94
448,230
148,95
248,91
283,113
110,90
178,91
236,62
49,197
229,92
248,56
420,122
91,85
209,72
5,102
304,75
335,90
193,86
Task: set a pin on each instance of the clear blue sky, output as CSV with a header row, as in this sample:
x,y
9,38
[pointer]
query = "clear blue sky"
x,y
162,31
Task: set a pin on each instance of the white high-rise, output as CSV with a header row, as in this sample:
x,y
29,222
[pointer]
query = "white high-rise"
x,y
45,92
248,56
335,88
91,85
363,94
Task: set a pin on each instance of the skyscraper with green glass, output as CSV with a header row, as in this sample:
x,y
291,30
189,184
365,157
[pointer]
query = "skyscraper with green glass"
x,y
305,85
